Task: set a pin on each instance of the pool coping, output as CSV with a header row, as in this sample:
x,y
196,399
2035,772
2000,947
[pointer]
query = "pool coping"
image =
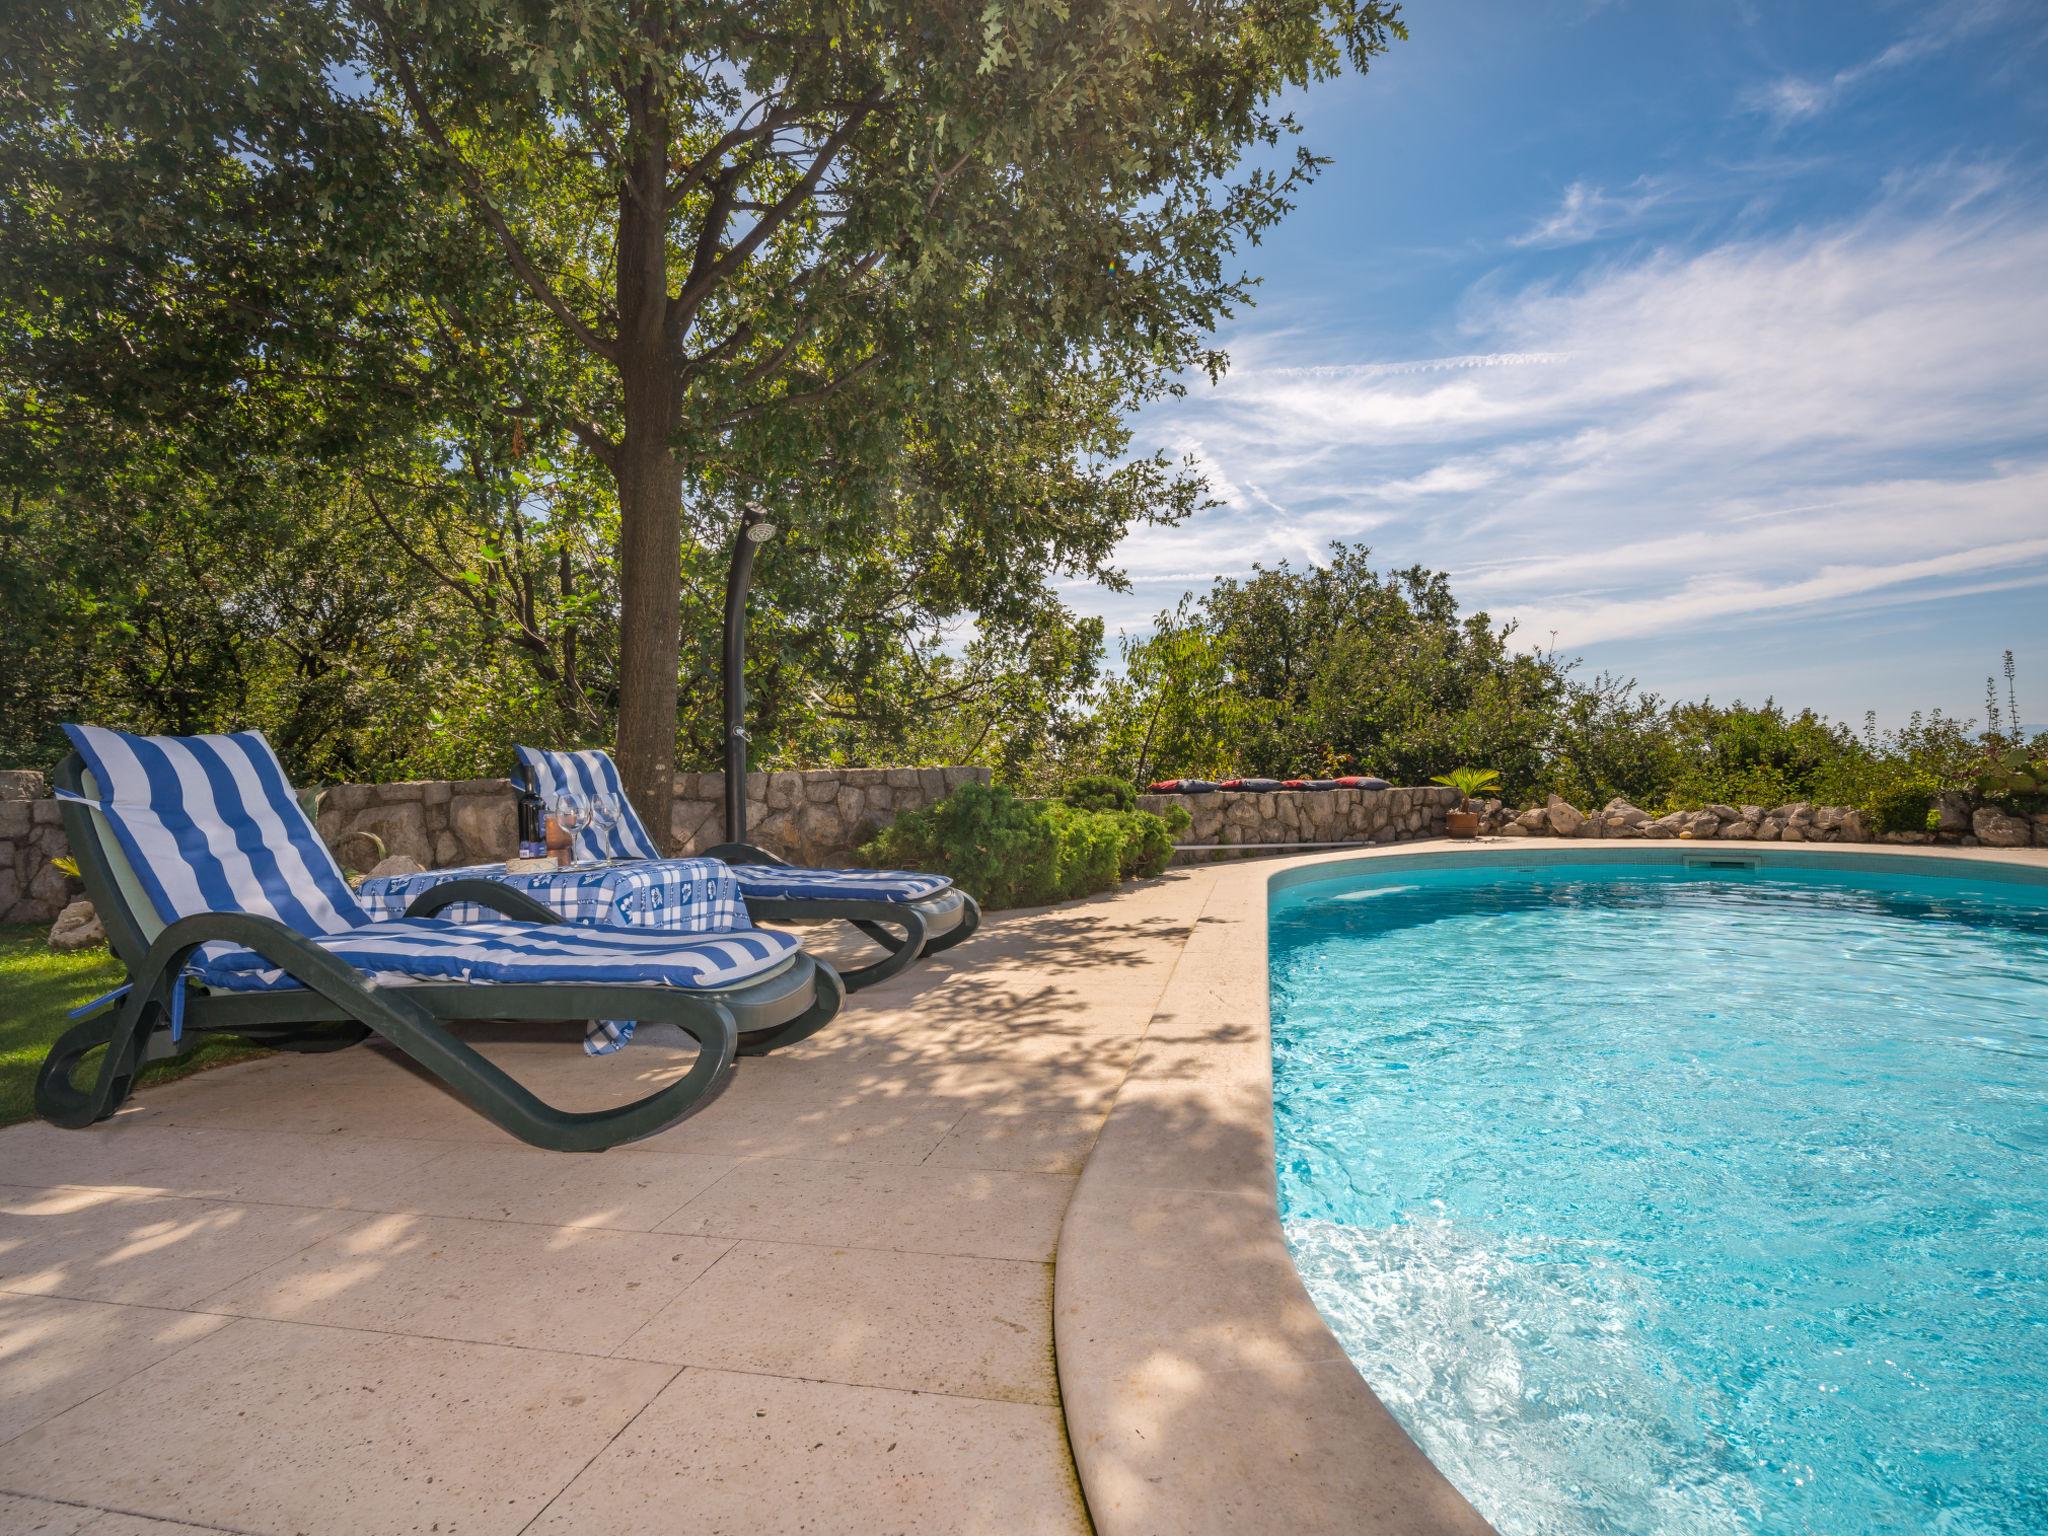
x,y
1202,1390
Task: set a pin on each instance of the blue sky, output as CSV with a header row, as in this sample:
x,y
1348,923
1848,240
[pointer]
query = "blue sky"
x,y
1711,338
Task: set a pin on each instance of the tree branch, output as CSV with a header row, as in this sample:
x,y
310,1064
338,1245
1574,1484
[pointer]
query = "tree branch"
x,y
516,254
685,304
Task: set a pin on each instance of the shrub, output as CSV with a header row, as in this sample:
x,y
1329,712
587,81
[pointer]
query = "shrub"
x,y
1100,792
1904,806
1007,852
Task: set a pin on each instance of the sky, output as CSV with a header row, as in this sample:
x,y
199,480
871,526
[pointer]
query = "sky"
x,y
1707,341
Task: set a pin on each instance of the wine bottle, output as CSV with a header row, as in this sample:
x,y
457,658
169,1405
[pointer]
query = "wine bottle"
x,y
532,826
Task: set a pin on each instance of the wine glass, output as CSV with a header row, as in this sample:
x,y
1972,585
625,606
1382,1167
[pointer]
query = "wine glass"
x,y
571,812
606,813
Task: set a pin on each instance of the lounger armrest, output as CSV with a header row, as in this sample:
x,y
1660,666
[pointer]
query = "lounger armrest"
x,y
498,897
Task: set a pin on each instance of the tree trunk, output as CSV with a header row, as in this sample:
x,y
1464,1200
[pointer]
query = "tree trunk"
x,y
650,492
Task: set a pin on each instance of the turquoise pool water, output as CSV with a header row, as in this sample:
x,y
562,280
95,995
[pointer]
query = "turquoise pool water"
x,y
1666,1202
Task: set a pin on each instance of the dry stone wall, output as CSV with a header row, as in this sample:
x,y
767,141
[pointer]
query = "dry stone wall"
x,y
1959,821
1231,818
817,816
32,888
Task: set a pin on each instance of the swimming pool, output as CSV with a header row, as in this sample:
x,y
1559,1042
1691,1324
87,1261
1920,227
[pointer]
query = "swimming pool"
x,y
1665,1200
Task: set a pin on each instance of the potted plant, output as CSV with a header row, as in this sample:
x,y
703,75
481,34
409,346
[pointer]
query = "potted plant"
x,y
1469,783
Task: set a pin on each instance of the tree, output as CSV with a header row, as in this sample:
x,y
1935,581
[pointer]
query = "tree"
x,y
745,238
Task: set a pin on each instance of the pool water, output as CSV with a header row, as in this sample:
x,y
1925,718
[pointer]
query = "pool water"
x,y
1657,1201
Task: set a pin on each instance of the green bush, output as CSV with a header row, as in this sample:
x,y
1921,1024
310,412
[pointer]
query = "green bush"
x,y
1904,806
1007,852
1100,792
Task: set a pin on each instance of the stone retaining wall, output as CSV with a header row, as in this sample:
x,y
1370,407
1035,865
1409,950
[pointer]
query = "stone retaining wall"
x,y
32,888
1959,821
1228,818
815,817
818,816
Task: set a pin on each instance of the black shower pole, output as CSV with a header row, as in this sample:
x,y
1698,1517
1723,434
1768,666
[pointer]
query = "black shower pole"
x,y
754,531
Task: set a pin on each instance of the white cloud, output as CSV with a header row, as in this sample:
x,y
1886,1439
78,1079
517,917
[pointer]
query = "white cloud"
x,y
1770,427
1790,98
1586,212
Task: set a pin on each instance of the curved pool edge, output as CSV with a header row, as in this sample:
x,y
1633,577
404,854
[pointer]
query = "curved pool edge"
x,y
1203,1392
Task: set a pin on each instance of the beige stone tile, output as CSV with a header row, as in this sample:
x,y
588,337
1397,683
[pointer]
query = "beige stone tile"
x,y
624,1188
55,1352
1192,1268
1026,1133
1200,1449
141,1525
152,1250
327,1432
849,1127
1201,1133
581,1289
39,1517
981,1213
767,1456
924,1322
271,1168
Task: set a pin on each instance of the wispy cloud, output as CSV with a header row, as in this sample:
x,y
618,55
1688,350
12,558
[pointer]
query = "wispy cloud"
x,y
1789,98
1778,425
1586,212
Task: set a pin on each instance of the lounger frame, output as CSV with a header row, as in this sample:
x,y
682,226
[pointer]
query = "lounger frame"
x,y
334,1007
930,925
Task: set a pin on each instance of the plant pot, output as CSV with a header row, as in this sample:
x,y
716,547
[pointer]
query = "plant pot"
x,y
1462,823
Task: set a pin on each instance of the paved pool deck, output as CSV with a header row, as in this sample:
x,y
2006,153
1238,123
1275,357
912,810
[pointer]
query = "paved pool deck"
x,y
314,1294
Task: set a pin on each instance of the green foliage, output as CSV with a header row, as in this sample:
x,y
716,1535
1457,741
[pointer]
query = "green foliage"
x,y
903,272
1470,783
2016,777
1100,792
37,985
1905,805
1011,852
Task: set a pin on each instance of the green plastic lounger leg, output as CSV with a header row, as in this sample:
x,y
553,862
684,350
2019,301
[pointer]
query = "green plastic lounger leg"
x,y
479,1082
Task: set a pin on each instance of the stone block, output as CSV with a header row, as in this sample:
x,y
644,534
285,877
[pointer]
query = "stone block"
x,y
821,788
487,826
46,813
22,784
480,787
436,792
340,799
902,778
1952,811
405,792
396,864
16,818
447,849
1564,819
956,777
784,789
931,782
78,926
1996,829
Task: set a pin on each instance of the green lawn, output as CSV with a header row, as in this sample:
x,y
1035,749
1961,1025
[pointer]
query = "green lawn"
x,y
37,985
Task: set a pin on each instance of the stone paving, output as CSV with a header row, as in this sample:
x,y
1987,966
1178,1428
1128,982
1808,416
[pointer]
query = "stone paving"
x,y
314,1294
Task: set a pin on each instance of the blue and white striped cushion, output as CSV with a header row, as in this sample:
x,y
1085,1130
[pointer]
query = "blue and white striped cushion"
x,y
765,882
413,950
211,825
590,774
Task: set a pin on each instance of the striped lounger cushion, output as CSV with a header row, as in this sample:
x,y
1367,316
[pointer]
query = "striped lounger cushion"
x,y
764,882
211,825
588,774
410,950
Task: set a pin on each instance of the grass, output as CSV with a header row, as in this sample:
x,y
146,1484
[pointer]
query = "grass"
x,y
37,986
